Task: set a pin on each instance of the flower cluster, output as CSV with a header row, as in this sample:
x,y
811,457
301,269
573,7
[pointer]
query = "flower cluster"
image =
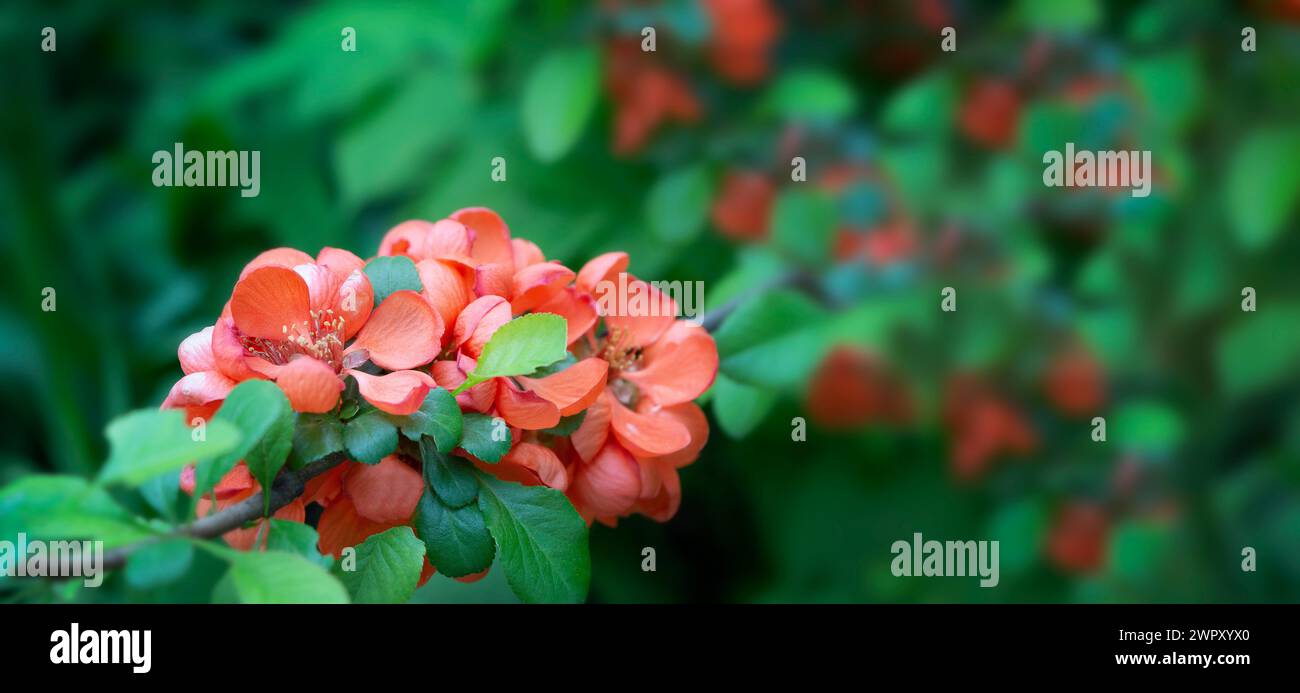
x,y
609,426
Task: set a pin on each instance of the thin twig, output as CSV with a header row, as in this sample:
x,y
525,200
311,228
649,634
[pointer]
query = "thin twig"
x,y
288,486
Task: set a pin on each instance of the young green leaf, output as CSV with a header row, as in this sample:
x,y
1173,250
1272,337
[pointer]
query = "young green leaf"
x,y
803,225
558,99
438,417
520,347
390,274
262,413
370,437
149,442
485,437
541,539
276,577
456,539
451,478
387,569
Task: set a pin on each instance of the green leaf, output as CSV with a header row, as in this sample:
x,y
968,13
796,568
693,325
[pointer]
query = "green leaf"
x,y
276,577
259,409
384,150
803,225
552,369
922,106
740,408
810,95
370,437
765,318
451,478
1059,15
541,539
269,453
520,347
558,100
65,507
1147,427
1260,349
317,436
149,442
1021,528
1262,185
297,538
438,417
387,568
158,564
678,204
456,540
480,438
390,274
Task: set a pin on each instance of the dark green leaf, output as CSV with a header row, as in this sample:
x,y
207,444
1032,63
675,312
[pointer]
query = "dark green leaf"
x,y
456,540
317,436
295,537
541,539
567,425
451,478
387,567
390,274
803,225
370,437
485,437
438,417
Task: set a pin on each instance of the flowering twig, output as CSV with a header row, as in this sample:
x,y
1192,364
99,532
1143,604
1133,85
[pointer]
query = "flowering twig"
x,y
288,486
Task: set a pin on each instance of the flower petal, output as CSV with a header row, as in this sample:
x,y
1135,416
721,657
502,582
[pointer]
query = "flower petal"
x,y
341,527
637,309
679,367
399,393
537,284
231,358
577,309
525,253
270,300
600,268
198,389
647,434
574,388
403,332
592,433
662,504
524,409
477,322
422,240
353,302
276,257
491,235
449,375
448,287
195,352
244,539
692,417
312,386
531,464
609,485
341,262
384,492
493,279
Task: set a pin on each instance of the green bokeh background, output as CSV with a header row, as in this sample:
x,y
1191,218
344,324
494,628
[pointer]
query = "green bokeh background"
x,y
1203,399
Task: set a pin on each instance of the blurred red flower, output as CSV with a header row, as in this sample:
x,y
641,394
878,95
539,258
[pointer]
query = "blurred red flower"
x,y
743,33
744,205
990,113
1076,542
852,388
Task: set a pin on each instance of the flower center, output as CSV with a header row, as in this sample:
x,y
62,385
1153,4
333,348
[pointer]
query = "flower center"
x,y
621,357
321,338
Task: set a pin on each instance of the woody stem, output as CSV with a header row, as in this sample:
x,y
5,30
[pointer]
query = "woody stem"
x,y
288,486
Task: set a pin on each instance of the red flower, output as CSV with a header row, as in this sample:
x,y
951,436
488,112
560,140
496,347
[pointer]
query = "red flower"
x,y
990,113
1076,543
1074,382
645,95
744,205
851,388
743,34
983,427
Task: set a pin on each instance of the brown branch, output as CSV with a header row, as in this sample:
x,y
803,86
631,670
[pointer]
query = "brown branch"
x,y
287,486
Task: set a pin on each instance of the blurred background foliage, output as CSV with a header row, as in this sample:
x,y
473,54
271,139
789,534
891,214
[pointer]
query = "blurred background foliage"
x,y
923,170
